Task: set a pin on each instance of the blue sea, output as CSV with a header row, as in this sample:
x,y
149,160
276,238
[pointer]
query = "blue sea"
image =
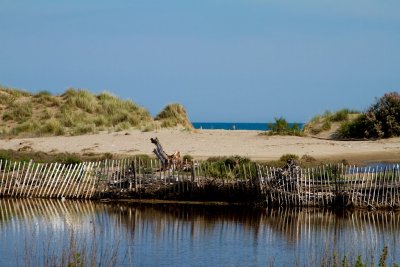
x,y
236,125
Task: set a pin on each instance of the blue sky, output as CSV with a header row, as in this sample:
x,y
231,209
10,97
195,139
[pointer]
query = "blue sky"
x,y
224,60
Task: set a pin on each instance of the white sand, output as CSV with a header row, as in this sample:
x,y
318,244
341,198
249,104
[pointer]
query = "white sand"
x,y
205,143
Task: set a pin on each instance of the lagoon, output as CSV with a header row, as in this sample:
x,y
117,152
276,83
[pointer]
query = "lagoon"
x,y
37,232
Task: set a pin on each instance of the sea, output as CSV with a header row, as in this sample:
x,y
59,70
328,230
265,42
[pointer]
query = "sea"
x,y
258,126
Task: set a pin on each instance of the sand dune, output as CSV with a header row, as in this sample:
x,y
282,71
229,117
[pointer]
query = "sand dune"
x,y
205,143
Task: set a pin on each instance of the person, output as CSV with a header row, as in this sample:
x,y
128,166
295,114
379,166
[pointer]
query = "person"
x,y
233,127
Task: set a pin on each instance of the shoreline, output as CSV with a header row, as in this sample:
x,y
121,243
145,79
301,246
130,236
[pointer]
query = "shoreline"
x,y
202,144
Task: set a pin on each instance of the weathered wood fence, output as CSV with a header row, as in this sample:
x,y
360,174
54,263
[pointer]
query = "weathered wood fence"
x,y
324,186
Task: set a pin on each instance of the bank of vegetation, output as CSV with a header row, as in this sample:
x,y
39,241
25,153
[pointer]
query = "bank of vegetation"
x,y
282,127
77,112
380,120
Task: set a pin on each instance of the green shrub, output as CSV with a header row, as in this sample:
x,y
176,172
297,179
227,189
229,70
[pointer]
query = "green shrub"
x,y
381,120
281,127
229,167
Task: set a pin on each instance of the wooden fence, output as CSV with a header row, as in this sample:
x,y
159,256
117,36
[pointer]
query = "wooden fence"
x,y
324,186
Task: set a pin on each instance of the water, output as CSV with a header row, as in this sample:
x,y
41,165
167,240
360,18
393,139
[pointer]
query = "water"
x,y
35,232
236,126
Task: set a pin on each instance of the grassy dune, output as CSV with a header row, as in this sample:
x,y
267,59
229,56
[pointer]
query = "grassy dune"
x,y
77,112
379,120
327,124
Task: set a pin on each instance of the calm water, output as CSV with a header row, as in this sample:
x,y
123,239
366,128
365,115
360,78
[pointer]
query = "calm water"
x,y
33,232
235,126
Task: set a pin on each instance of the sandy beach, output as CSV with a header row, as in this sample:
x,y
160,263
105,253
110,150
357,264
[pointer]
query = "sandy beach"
x,y
205,143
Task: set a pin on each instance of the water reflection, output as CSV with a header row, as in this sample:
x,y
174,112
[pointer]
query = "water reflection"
x,y
166,234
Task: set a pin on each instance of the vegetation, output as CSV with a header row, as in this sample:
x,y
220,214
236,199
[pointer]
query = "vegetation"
x,y
281,127
325,122
229,167
287,157
43,157
381,120
174,115
77,112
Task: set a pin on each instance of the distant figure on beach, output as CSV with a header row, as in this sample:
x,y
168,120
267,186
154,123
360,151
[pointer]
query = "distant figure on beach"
x,y
233,127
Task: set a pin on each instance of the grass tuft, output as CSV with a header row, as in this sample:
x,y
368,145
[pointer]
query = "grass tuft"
x,y
174,115
77,112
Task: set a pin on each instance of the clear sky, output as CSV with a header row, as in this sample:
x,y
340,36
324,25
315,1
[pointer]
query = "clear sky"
x,y
224,60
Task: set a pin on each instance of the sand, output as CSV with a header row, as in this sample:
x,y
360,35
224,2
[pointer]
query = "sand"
x,y
205,143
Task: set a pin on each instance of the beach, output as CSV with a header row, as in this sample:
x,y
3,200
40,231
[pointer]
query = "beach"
x,y
202,144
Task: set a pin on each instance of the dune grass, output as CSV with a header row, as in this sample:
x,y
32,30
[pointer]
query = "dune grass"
x,y
174,115
77,112
324,122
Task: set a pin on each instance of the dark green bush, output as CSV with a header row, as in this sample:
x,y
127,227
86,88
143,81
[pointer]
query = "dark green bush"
x,y
381,120
281,127
230,167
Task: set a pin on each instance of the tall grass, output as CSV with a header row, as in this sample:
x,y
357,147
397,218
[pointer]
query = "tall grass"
x,y
81,99
74,112
324,122
51,127
18,111
174,115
